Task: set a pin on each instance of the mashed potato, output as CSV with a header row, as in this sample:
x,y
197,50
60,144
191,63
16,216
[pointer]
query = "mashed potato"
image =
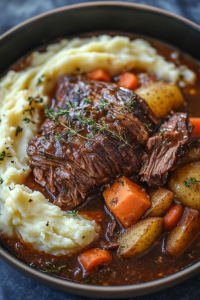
x,y
25,212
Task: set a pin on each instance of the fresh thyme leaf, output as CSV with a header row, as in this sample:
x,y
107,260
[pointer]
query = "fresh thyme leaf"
x,y
49,158
122,146
3,154
105,104
59,136
73,213
36,100
30,110
49,113
188,183
18,130
1,180
77,92
27,120
162,132
69,166
118,233
122,247
148,126
86,100
23,170
41,79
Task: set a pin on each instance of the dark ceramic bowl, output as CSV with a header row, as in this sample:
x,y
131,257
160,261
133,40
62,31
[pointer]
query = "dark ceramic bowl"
x,y
83,19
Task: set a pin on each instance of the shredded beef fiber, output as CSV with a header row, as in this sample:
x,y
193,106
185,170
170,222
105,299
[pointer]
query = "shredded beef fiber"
x,y
70,166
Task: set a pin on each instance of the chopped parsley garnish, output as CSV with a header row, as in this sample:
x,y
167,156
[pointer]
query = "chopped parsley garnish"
x,y
188,183
18,130
23,170
53,268
1,180
176,202
73,213
121,181
41,79
162,132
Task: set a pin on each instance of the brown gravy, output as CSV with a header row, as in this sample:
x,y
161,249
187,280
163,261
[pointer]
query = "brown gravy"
x,y
153,265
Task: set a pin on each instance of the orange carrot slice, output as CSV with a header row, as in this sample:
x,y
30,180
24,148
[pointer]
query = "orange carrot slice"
x,y
92,258
127,200
128,81
99,74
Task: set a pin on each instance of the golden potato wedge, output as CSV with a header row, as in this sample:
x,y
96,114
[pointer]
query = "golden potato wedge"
x,y
161,200
161,97
185,186
184,233
140,236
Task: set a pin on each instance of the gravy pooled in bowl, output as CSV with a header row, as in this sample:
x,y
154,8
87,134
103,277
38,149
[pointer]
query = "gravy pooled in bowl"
x,y
95,135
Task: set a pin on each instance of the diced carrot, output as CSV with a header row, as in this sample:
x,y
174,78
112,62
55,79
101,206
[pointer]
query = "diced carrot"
x,y
172,216
92,258
99,74
196,123
128,81
127,200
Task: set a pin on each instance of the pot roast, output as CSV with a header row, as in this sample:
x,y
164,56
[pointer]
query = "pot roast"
x,y
99,131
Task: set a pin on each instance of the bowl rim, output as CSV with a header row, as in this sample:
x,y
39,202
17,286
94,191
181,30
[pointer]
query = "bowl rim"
x,y
78,288
100,3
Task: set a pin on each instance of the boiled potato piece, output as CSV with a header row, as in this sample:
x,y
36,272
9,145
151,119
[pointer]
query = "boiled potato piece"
x,y
161,97
140,236
161,200
184,233
183,183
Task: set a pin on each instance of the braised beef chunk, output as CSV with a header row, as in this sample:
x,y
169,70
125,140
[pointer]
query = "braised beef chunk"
x,y
70,164
165,149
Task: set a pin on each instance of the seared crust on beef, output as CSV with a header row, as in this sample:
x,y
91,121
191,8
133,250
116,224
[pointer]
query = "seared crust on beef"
x,y
70,167
165,149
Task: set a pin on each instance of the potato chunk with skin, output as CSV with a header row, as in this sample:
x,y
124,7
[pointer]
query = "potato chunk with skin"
x,y
185,186
161,200
184,233
140,237
161,97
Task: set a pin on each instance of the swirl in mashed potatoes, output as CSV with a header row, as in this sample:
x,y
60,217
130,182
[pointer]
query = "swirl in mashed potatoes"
x,y
18,215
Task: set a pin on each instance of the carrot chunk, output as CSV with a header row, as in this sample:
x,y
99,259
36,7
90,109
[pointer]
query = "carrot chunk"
x,y
99,74
196,123
127,200
92,258
172,216
128,81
